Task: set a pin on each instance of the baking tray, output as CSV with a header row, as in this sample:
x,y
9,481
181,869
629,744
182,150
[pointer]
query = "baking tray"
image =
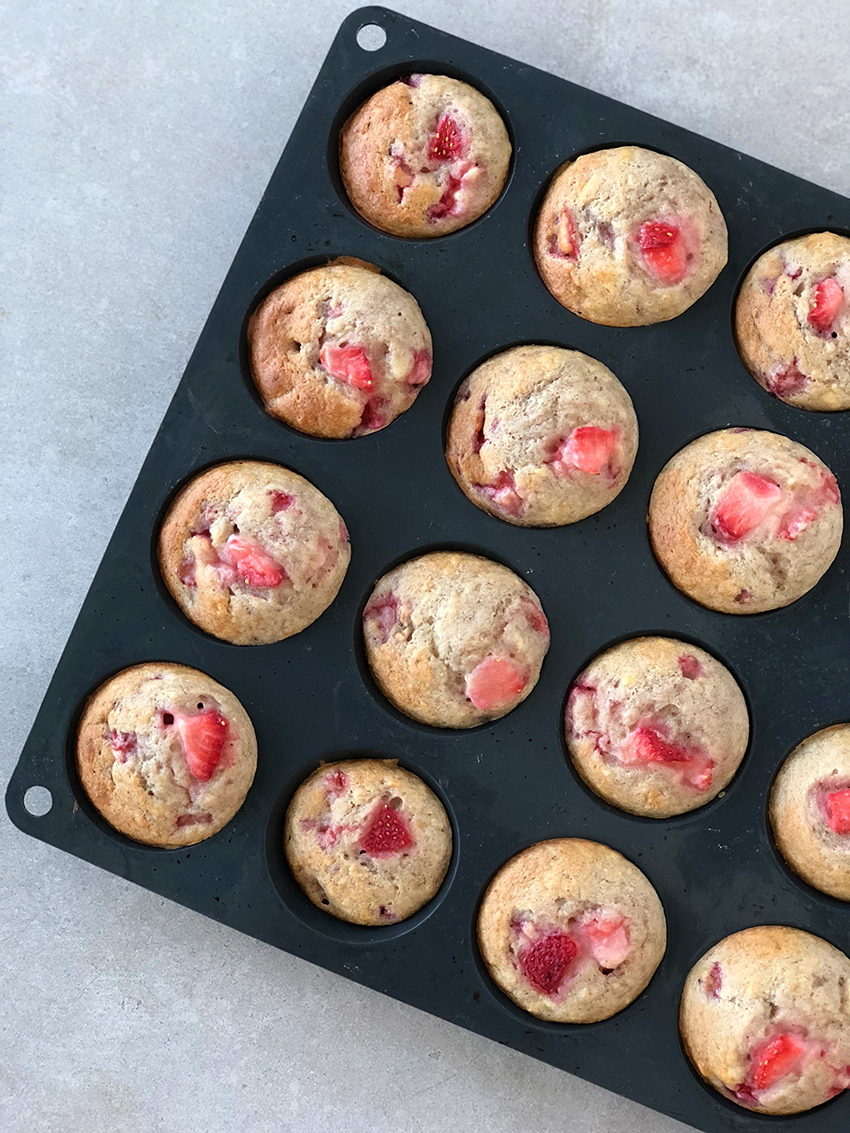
x,y
509,783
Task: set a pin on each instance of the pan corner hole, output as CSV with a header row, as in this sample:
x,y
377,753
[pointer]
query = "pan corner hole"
x,y
371,37
38,801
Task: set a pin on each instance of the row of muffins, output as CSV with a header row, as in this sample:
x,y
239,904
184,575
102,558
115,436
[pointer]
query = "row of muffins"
x,y
569,929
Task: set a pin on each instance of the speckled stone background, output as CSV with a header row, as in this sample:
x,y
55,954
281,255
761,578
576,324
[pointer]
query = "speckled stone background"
x,y
136,141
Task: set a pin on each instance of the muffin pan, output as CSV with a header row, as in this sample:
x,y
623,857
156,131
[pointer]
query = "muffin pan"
x,y
506,784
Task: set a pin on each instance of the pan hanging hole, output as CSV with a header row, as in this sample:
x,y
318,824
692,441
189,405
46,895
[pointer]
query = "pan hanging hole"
x,y
371,37
38,801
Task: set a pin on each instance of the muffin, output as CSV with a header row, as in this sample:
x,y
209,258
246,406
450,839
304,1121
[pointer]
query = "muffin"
x,y
339,351
367,841
252,552
743,520
765,1019
542,436
454,640
571,931
810,810
166,754
626,237
792,321
424,156
656,726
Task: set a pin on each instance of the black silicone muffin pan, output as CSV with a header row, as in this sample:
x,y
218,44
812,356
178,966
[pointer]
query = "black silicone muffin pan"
x,y
510,783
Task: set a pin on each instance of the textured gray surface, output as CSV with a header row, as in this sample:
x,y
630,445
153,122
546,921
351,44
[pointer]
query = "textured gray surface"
x,y
137,139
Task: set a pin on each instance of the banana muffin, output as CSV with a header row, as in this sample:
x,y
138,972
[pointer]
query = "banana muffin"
x,y
810,810
424,156
792,321
454,640
571,931
251,552
541,436
627,237
765,1019
656,726
339,351
743,520
166,754
367,841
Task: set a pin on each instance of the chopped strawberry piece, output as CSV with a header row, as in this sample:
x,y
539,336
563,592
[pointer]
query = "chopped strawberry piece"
x,y
122,743
446,205
420,371
403,177
775,1060
348,364
281,501
536,617
326,559
382,615
203,738
608,938
372,418
713,981
786,381
838,809
493,683
386,833
448,143
690,667
744,504
588,448
646,746
193,819
796,520
186,570
503,493
742,597
343,533
663,250
828,301
545,962
566,240
335,783
254,566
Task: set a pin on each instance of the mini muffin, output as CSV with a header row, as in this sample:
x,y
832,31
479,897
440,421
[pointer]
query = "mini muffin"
x,y
367,841
571,931
810,810
542,436
656,726
743,520
765,1018
424,157
454,640
339,351
792,321
252,552
166,754
627,237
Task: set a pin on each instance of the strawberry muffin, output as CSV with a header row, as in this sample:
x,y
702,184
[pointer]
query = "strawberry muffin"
x,y
542,436
251,552
166,754
765,1019
792,321
367,841
656,726
454,640
424,156
626,237
743,520
810,810
571,931
339,351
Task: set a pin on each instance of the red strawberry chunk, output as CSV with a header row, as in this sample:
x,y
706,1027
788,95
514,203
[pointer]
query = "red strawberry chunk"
x,y
348,364
745,502
588,448
663,251
186,570
786,381
193,819
647,746
503,492
608,938
122,743
493,683
335,783
381,616
775,1060
420,371
713,981
566,240
254,566
446,205
372,418
828,301
690,667
535,616
281,501
838,810
386,833
203,738
545,962
448,143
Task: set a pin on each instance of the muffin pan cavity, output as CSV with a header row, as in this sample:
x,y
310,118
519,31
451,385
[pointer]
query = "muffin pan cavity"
x,y
311,698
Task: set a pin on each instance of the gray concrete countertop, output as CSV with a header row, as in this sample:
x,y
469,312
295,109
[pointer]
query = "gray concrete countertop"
x,y
137,139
